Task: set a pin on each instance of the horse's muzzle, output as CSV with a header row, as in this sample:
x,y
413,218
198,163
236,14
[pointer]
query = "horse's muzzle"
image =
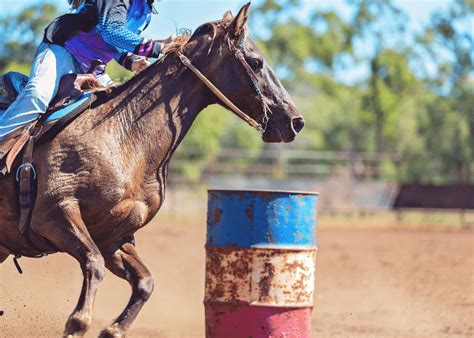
x,y
276,133
297,124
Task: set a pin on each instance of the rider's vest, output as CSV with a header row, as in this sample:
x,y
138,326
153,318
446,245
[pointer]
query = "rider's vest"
x,y
68,25
83,33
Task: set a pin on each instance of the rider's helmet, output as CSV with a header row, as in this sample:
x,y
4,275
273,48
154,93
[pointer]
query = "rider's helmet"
x,y
153,9
75,4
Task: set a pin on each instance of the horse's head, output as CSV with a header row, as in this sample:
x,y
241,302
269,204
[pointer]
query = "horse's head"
x,y
225,54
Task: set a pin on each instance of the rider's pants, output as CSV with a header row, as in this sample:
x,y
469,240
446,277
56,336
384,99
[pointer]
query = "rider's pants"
x,y
50,64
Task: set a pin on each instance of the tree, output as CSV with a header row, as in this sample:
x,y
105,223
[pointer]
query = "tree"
x,y
378,25
450,115
298,45
202,142
21,34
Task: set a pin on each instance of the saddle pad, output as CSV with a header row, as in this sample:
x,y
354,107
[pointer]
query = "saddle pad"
x,y
52,123
60,113
84,100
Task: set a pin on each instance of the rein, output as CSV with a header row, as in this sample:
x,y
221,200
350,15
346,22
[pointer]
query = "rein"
x,y
261,127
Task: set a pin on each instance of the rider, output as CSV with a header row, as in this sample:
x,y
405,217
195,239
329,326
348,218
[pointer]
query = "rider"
x,y
73,43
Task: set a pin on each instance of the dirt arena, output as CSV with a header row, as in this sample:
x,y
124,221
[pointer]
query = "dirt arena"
x,y
373,280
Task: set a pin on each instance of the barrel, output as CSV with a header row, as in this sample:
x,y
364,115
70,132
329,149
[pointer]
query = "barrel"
x,y
260,263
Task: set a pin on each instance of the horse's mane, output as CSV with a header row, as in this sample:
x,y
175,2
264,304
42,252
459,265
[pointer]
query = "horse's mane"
x,y
180,42
103,95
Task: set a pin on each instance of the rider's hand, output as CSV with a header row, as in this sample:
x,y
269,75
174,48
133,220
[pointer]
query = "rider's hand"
x,y
140,65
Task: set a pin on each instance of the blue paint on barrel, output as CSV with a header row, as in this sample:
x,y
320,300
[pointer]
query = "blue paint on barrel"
x,y
249,219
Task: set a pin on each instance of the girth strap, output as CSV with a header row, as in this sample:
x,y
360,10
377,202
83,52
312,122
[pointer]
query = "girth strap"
x,y
26,178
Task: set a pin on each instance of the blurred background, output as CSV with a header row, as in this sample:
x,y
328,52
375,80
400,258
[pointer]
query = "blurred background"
x,y
386,88
387,91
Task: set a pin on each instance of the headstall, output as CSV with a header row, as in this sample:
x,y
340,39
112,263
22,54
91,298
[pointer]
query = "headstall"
x,y
262,122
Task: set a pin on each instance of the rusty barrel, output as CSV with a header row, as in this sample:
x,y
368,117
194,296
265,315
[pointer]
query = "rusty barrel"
x,y
260,263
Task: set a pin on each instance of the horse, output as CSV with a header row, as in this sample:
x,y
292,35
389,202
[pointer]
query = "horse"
x,y
103,177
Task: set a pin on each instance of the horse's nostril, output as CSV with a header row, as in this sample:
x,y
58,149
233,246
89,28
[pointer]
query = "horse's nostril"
x,y
297,124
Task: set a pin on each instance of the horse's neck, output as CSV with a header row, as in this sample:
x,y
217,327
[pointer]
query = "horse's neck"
x,y
158,110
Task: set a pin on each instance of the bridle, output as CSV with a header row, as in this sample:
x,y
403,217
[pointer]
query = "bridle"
x,y
260,124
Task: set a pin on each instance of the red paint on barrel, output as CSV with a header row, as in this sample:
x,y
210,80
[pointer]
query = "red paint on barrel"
x,y
243,320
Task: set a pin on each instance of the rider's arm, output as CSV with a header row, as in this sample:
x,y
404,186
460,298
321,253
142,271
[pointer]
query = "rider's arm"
x,y
112,17
126,59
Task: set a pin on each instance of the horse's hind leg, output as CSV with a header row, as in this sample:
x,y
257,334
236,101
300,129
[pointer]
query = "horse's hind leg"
x,y
66,229
126,263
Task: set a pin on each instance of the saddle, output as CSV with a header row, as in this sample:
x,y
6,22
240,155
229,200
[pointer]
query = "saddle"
x,y
69,102
72,99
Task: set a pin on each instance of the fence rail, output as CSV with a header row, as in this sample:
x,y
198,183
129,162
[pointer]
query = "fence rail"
x,y
279,164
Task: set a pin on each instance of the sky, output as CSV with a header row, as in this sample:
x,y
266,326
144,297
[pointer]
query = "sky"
x,y
191,13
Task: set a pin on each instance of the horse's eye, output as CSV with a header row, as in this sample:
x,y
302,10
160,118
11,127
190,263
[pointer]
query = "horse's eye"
x,y
256,63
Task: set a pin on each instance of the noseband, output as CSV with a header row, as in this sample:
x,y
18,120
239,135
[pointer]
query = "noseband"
x,y
262,122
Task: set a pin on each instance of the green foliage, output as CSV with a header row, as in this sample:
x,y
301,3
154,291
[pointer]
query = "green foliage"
x,y
207,130
22,34
332,38
289,46
417,110
239,135
450,114
17,67
202,141
395,110
389,170
332,115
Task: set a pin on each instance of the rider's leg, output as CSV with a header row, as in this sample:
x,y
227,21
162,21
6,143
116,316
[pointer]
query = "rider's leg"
x,y
50,64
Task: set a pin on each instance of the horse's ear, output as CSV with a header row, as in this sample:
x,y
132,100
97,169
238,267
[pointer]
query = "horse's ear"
x,y
228,16
237,25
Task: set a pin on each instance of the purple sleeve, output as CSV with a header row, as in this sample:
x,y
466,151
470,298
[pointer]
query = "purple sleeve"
x,y
126,59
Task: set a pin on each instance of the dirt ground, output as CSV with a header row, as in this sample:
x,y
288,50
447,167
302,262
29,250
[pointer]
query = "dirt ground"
x,y
384,281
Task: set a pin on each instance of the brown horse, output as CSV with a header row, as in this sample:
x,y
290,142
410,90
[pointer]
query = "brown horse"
x,y
103,177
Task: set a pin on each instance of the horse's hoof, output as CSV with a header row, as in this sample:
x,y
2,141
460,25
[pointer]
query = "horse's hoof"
x,y
112,331
76,326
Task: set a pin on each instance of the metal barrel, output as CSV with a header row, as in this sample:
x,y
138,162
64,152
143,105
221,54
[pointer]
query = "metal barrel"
x,y
260,263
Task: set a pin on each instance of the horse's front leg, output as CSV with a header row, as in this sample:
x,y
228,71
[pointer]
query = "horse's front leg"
x,y
123,260
3,257
65,228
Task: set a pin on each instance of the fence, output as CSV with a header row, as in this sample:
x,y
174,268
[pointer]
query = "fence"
x,y
338,176
278,164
